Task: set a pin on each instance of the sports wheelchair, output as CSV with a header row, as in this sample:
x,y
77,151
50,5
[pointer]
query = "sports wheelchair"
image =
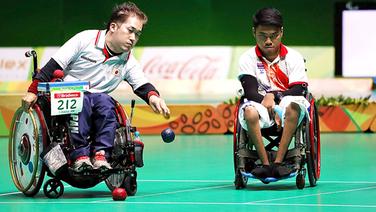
x,y
34,134
303,156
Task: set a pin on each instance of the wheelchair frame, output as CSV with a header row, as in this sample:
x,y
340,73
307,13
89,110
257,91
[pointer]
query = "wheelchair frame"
x,y
28,169
31,133
307,131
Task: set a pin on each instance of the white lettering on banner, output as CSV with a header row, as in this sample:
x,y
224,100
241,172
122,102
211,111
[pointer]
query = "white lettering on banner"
x,y
194,63
11,64
201,68
14,66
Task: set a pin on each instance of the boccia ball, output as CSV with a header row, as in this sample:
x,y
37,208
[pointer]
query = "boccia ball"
x,y
168,135
58,74
119,194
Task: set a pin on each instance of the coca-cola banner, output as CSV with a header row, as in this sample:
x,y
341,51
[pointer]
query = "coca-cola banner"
x,y
171,63
181,63
14,66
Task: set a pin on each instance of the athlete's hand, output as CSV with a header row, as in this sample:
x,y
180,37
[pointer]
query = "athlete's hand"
x,y
269,103
278,121
28,100
159,106
278,117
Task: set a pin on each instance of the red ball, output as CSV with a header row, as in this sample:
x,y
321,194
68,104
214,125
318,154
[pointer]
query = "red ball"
x,y
59,74
119,194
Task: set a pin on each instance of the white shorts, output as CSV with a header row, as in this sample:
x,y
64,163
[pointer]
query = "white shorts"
x,y
265,121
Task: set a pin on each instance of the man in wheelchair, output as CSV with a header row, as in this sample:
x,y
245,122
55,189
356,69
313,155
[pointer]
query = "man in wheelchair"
x,y
104,59
272,76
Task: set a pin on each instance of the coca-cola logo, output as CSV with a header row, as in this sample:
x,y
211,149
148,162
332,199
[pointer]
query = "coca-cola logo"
x,y
200,67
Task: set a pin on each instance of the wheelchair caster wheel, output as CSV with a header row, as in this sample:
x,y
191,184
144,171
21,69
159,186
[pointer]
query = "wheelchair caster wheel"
x,y
300,181
130,184
240,181
53,188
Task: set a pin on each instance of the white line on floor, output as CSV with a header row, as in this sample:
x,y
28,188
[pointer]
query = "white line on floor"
x,y
310,195
174,192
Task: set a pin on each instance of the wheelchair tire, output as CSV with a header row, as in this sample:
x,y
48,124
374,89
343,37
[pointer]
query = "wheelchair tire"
x,y
130,184
240,181
115,181
313,146
300,181
53,188
26,141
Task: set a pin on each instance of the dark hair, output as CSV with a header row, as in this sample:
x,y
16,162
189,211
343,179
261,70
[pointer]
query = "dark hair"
x,y
123,11
268,16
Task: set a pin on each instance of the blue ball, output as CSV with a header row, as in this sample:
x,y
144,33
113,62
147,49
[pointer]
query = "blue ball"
x,y
168,135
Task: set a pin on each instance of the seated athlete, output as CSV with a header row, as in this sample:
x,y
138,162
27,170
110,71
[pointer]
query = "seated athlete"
x,y
271,74
103,58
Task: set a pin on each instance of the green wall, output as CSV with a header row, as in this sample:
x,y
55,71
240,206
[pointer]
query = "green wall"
x,y
171,22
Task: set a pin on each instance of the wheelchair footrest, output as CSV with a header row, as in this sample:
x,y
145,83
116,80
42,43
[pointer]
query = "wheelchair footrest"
x,y
95,172
268,179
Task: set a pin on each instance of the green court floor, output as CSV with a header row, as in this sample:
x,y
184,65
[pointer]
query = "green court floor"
x,y
195,173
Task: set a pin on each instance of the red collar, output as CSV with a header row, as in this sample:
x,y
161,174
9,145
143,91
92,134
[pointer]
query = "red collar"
x,y
100,44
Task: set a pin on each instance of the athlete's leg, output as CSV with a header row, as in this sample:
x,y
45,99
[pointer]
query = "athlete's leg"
x,y
251,116
104,121
290,124
80,125
254,132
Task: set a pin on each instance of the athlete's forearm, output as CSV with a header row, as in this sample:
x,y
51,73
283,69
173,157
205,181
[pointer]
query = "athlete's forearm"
x,y
145,91
250,87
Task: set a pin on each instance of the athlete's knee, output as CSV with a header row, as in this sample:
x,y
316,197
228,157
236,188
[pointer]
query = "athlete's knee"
x,y
292,112
251,115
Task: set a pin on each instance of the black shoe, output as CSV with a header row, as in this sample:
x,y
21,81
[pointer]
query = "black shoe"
x,y
280,171
262,172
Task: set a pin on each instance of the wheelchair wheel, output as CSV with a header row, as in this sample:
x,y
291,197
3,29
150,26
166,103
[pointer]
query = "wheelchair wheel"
x,y
240,181
300,181
313,146
123,180
53,188
26,141
115,181
130,184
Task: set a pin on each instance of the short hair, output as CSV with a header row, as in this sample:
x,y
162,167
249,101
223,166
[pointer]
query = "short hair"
x,y
123,11
268,16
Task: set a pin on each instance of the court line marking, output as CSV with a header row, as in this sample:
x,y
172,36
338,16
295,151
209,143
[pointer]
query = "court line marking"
x,y
255,181
173,192
219,181
200,203
310,195
255,204
11,193
19,192
259,202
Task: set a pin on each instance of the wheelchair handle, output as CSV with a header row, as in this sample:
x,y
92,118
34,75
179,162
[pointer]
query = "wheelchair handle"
x,y
35,60
133,102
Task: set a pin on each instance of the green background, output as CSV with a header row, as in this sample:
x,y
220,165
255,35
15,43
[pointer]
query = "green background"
x,y
171,22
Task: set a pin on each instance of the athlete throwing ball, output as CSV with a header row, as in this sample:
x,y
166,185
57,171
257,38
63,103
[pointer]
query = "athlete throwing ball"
x,y
103,58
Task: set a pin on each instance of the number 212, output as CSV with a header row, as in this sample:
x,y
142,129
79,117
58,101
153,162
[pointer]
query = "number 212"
x,y
61,104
